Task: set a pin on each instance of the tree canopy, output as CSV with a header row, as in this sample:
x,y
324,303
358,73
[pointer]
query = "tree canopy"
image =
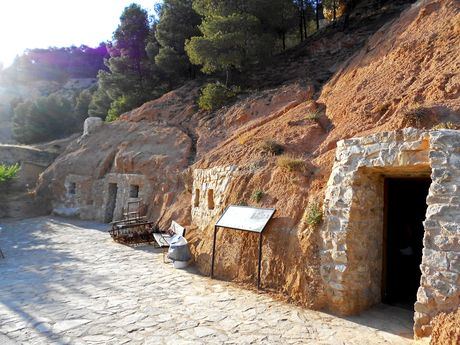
x,y
177,23
149,56
44,118
132,77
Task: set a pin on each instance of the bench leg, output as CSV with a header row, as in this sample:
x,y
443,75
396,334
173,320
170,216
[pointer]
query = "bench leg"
x,y
165,250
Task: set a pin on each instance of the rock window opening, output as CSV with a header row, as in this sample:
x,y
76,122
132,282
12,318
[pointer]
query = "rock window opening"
x,y
210,199
196,202
134,191
111,202
72,188
405,209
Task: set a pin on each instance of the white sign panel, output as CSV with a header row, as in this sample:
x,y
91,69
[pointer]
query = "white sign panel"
x,y
245,218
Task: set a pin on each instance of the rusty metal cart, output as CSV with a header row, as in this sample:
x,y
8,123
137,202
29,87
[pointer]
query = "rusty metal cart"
x,y
133,228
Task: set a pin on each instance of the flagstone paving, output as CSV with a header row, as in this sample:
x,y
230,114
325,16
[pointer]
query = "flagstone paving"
x,y
66,282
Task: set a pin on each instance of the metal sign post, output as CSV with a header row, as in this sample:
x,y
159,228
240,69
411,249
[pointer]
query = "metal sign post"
x,y
243,218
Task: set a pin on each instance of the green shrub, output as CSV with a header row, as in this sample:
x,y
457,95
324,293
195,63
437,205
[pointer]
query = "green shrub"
x,y
216,95
314,214
290,163
272,147
8,172
257,195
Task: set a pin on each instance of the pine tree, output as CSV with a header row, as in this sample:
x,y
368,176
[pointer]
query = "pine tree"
x,y
277,17
232,37
132,77
178,22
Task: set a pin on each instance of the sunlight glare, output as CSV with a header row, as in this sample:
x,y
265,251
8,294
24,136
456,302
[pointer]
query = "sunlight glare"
x,y
40,24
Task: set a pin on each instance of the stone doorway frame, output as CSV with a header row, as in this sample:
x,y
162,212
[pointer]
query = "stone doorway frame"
x,y
351,248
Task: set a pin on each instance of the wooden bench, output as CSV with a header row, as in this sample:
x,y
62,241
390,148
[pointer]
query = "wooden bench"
x,y
163,239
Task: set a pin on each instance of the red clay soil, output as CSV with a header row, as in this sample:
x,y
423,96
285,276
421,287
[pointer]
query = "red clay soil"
x,y
406,75
446,329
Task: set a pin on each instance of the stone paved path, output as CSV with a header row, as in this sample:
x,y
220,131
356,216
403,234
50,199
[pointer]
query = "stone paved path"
x,y
66,282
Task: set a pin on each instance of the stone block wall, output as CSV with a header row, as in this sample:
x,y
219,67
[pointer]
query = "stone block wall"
x,y
89,199
440,284
124,182
351,254
78,200
209,186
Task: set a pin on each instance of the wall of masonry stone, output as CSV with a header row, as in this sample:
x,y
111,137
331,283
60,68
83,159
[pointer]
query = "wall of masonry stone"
x,y
440,283
351,254
90,199
216,179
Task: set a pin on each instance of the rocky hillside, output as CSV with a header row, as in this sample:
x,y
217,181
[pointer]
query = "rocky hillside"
x,y
339,84
406,74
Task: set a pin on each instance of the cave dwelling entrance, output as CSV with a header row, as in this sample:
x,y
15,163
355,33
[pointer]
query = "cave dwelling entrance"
x,y
404,212
392,224
111,202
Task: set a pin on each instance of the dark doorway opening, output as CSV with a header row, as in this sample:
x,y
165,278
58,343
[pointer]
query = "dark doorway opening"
x,y
405,209
111,202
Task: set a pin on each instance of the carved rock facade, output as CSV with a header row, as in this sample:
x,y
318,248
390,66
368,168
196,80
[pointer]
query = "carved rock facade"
x,y
104,199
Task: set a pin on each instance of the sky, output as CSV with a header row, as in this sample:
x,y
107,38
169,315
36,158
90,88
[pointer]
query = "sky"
x,y
59,23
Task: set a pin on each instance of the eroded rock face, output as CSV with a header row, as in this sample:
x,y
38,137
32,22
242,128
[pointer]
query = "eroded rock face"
x,y
98,174
351,253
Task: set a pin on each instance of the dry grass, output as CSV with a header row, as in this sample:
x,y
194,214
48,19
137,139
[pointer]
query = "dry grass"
x,y
383,108
244,138
290,163
313,115
271,147
446,125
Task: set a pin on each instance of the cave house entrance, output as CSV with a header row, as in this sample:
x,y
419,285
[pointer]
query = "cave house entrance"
x,y
376,205
404,213
111,202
